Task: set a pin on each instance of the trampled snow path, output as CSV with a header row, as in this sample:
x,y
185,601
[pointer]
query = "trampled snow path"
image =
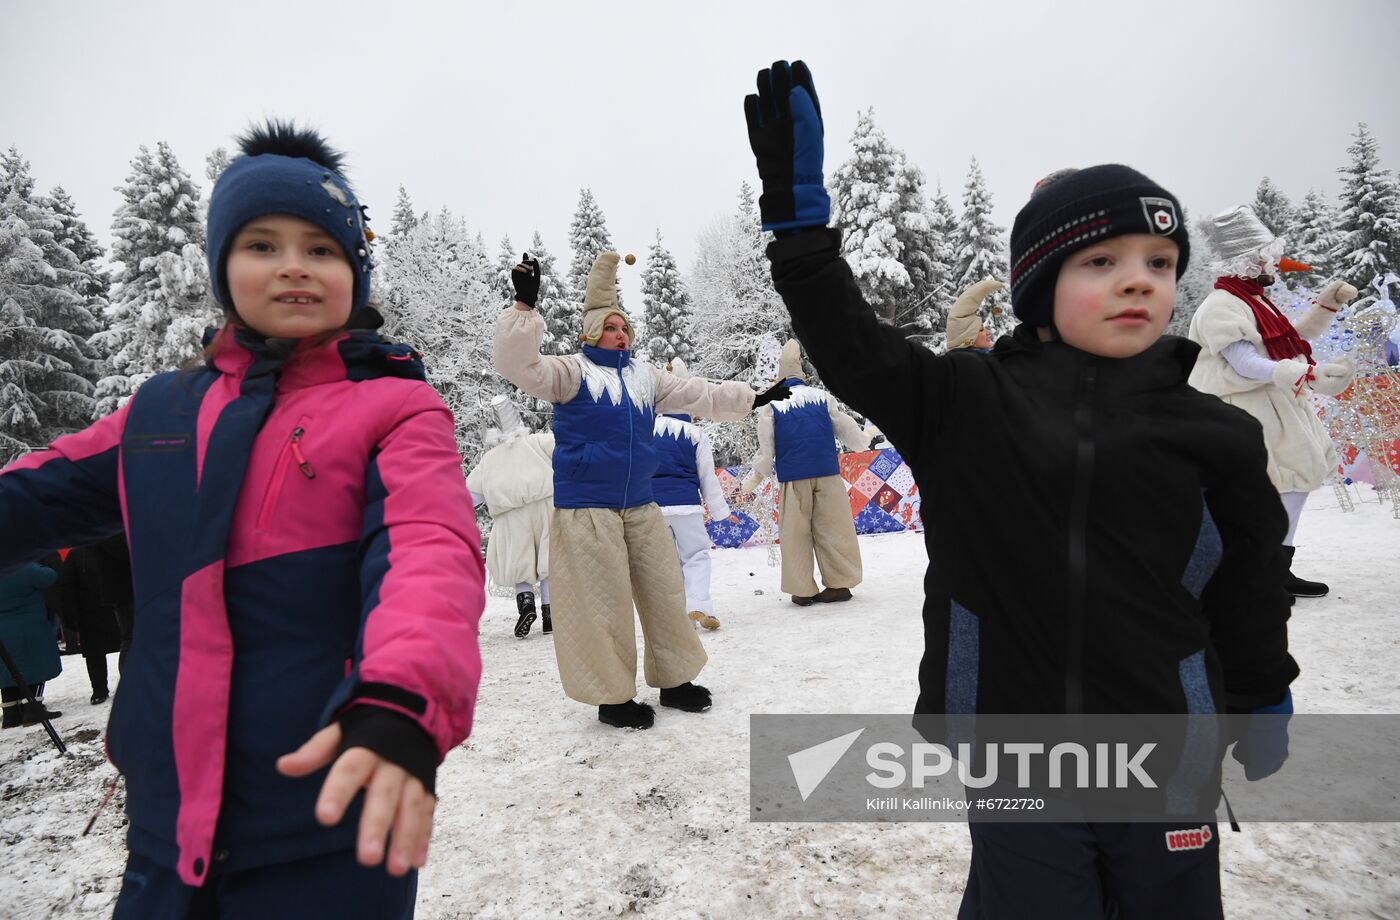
x,y
547,813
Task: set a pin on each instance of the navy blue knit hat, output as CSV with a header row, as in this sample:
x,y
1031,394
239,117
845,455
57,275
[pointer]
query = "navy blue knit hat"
x,y
287,170
1075,208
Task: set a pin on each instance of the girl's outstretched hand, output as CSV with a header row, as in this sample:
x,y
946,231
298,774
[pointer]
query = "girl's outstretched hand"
x,y
396,807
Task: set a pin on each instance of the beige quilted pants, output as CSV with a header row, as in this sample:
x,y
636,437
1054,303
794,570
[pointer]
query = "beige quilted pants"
x,y
815,515
602,560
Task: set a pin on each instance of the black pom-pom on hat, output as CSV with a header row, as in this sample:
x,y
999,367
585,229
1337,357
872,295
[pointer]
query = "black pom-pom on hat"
x,y
285,138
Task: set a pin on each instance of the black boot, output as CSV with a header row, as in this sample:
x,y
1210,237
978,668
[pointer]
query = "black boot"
x,y
525,605
546,624
630,714
32,714
11,718
687,697
1300,587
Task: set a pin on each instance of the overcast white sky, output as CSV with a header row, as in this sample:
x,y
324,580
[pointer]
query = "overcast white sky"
x,y
501,111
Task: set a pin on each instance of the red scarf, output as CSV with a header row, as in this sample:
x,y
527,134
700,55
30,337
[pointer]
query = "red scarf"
x,y
1280,338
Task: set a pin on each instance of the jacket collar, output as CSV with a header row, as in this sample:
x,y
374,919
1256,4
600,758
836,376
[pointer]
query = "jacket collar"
x,y
355,355
606,357
1167,363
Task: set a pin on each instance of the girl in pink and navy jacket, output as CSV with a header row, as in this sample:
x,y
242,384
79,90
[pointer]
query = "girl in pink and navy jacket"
x,y
307,570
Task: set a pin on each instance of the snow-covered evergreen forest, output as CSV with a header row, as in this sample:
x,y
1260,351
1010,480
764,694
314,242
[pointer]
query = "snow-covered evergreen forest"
x,y
81,326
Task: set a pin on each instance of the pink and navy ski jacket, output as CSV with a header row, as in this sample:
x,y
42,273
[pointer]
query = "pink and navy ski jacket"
x,y
336,564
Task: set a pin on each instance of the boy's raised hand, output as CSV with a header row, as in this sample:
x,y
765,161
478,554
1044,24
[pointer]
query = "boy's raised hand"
x,y
394,800
785,132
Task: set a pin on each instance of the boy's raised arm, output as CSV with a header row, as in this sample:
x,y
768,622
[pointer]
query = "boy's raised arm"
x,y
870,366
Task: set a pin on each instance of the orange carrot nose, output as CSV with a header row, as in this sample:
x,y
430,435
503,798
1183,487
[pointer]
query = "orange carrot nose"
x,y
1288,265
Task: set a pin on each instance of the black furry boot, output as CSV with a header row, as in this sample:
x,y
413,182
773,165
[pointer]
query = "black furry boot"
x,y
525,606
1300,587
687,697
630,714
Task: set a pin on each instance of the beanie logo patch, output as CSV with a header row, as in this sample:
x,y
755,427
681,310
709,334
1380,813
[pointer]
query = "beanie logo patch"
x,y
1160,214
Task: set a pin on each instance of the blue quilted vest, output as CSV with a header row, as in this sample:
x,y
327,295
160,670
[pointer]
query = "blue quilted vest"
x,y
603,454
677,479
803,440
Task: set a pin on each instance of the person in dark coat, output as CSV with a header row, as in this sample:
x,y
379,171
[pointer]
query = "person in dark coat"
x,y
28,637
1127,560
96,588
53,604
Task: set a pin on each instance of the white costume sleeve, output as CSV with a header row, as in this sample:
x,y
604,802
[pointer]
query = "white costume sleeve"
x,y
847,431
762,463
1247,362
515,355
710,488
475,485
723,402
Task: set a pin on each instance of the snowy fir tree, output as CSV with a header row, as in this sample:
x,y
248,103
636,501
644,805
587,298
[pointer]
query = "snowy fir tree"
x,y
46,386
215,163
1273,208
1198,281
1369,216
735,311
1316,234
506,259
942,286
403,219
160,303
89,280
667,306
563,317
588,236
878,202
981,252
440,295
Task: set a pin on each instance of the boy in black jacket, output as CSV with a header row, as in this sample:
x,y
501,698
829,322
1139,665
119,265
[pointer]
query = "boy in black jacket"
x,y
1136,511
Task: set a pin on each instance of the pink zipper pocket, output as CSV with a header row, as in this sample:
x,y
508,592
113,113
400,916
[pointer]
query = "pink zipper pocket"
x,y
291,450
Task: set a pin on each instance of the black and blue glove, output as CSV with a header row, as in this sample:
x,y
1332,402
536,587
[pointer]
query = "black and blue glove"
x,y
785,132
1264,747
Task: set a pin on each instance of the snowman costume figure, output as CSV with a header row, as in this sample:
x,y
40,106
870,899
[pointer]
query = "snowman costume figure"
x,y
1253,357
515,478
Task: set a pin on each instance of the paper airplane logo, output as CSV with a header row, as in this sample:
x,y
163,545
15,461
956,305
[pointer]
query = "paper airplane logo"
x,y
811,765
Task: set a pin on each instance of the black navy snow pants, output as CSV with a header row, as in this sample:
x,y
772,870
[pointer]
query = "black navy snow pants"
x,y
1093,872
331,885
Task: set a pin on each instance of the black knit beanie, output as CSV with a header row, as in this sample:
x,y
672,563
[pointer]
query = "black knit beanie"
x,y
1075,208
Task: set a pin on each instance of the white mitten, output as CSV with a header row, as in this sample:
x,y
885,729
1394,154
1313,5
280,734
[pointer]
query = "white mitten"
x,y
1335,294
1293,374
751,484
1333,377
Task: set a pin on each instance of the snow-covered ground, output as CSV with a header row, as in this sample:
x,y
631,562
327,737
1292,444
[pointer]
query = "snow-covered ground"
x,y
545,812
